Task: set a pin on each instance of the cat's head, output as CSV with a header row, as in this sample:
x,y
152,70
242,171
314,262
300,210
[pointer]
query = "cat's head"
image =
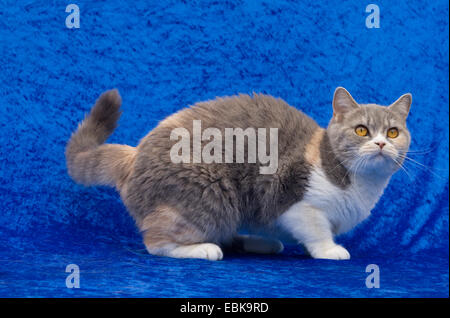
x,y
369,138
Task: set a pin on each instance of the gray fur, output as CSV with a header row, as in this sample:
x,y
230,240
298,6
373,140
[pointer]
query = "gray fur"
x,y
335,171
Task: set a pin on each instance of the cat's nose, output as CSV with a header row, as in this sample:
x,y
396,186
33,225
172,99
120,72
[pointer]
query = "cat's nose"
x,y
381,144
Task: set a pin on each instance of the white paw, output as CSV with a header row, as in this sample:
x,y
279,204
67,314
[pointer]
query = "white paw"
x,y
335,252
207,251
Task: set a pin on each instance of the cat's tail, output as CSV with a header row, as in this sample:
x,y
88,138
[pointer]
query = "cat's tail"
x,y
89,160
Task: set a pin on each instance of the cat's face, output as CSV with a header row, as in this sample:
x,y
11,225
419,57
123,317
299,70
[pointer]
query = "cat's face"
x,y
369,139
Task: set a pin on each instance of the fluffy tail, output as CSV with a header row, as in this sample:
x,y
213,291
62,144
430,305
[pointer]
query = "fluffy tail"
x,y
91,162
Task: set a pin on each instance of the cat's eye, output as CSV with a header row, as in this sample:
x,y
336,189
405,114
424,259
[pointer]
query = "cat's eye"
x,y
392,132
361,131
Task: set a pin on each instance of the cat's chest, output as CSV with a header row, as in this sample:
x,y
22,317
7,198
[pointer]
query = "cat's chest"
x,y
344,207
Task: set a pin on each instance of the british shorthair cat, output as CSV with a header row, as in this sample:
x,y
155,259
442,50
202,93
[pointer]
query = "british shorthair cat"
x,y
321,181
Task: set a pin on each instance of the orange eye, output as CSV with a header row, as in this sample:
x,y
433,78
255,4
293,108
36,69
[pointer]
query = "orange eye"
x,y
361,131
392,132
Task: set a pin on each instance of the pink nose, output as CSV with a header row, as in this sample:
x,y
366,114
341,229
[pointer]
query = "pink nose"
x,y
381,144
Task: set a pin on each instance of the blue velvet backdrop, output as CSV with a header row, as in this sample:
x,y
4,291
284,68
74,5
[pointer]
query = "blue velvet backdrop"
x,y
164,55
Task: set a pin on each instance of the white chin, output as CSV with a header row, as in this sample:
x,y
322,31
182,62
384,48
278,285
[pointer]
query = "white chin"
x,y
381,161
379,157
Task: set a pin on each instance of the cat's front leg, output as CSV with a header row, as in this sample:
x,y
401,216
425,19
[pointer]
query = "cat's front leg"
x,y
310,227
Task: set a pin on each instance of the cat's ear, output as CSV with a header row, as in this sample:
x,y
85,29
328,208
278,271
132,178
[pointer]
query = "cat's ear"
x,y
402,105
342,102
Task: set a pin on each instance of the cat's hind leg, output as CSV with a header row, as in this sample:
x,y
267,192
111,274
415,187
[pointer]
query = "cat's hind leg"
x,y
167,233
257,244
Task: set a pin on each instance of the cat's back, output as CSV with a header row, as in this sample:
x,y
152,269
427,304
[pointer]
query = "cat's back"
x,y
239,111
257,111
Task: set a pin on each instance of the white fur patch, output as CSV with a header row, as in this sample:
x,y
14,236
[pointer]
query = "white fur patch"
x,y
344,208
325,206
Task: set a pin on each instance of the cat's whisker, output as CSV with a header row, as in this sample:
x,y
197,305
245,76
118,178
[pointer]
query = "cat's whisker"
x,y
353,164
422,166
423,151
341,163
360,163
403,168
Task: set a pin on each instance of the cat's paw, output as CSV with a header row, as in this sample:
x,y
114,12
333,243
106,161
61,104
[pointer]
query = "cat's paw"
x,y
335,252
207,251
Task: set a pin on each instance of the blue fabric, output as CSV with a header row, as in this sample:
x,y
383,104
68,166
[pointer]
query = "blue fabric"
x,y
165,55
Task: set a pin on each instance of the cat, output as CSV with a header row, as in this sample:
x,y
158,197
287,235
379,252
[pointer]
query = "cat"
x,y
326,182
